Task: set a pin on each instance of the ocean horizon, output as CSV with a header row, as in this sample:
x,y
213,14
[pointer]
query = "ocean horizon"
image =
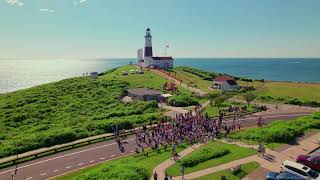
x,y
24,73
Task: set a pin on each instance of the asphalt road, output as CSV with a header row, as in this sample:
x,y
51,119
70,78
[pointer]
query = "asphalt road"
x,y
60,163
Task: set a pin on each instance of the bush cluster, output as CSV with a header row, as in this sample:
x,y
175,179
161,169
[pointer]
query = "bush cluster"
x,y
182,101
293,101
203,74
280,131
202,155
122,171
65,111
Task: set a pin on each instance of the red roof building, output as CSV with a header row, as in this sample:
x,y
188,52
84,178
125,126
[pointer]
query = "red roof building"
x,y
225,83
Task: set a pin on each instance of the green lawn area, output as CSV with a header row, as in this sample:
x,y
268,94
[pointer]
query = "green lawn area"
x,y
146,163
245,169
192,79
236,152
302,91
149,79
277,90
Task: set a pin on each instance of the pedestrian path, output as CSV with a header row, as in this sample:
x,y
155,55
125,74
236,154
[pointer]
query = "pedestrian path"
x,y
176,81
160,169
271,161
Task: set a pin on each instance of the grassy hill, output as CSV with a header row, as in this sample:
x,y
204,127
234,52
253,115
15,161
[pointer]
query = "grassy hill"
x,y
267,90
64,111
74,108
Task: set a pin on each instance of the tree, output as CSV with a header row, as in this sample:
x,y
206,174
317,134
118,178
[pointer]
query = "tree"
x,y
212,97
220,100
249,97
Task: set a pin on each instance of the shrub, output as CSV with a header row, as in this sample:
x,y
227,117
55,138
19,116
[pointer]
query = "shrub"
x,y
280,131
122,171
65,111
182,101
203,154
294,102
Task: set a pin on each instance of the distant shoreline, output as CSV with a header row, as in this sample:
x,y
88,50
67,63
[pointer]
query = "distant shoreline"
x,y
21,74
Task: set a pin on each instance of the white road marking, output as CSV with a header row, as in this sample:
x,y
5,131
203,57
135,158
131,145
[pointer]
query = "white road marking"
x,y
28,178
102,158
91,161
112,155
43,174
56,170
288,115
68,167
80,164
62,156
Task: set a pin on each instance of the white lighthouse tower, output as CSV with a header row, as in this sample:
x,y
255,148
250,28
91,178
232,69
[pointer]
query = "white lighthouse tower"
x,y
148,60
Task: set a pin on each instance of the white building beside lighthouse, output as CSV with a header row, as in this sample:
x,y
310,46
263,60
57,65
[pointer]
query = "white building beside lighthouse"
x,y
149,61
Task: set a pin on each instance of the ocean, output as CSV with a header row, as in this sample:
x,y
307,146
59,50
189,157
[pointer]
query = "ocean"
x,y
20,74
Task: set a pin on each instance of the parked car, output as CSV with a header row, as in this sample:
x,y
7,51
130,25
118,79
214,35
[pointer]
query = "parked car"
x,y
282,176
312,161
299,170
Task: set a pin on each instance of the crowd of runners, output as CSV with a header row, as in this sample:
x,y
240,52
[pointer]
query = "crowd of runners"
x,y
191,127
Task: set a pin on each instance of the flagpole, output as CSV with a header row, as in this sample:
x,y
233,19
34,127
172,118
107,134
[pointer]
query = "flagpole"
x,y
165,51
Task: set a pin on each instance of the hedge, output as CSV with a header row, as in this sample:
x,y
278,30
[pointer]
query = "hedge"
x,y
182,101
280,131
203,154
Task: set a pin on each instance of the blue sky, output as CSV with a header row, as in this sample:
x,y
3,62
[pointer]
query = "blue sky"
x,y
52,29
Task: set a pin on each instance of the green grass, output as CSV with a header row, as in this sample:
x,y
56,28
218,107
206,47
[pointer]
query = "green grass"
x,y
149,79
245,169
64,111
301,91
191,79
277,90
73,108
279,131
236,152
98,171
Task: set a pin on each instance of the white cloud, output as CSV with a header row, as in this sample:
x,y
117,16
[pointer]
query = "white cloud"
x,y
47,10
14,2
78,2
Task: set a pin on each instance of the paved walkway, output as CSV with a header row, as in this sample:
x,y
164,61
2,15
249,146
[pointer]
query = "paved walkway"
x,y
272,160
160,169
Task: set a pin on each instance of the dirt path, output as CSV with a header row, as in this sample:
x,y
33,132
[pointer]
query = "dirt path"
x,y
192,89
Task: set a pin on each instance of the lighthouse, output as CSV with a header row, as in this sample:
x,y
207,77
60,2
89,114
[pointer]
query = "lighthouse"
x,y
148,48
149,61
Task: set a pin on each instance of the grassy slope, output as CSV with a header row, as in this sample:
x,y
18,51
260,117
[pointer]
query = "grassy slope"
x,y
148,79
148,163
64,111
192,79
302,91
279,131
245,170
236,152
70,109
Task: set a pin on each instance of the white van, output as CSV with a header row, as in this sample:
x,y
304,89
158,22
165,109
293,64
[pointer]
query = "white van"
x,y
299,170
